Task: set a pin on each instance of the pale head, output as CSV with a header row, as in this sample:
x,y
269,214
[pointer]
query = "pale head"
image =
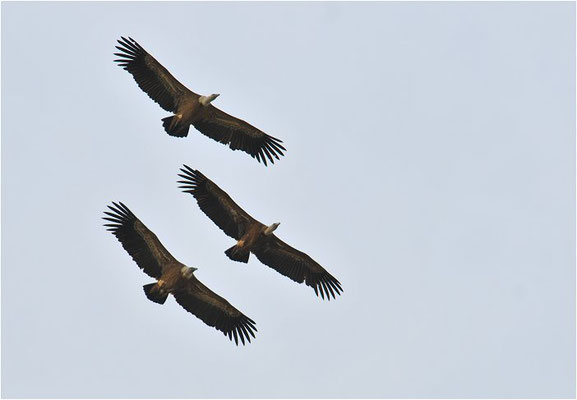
x,y
205,100
270,229
187,271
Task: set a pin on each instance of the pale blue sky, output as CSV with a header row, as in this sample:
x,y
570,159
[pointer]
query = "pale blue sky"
x,y
430,167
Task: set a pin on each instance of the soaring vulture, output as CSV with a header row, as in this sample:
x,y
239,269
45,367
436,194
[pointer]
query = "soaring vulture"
x,y
255,237
190,108
175,278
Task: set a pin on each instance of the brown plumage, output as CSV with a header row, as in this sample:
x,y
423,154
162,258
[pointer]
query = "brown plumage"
x,y
190,108
175,278
251,236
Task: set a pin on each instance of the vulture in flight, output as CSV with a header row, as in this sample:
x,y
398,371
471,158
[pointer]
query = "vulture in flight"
x,y
255,237
175,278
190,108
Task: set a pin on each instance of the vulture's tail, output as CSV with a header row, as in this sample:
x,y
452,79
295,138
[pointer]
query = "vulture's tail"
x,y
238,254
154,293
173,128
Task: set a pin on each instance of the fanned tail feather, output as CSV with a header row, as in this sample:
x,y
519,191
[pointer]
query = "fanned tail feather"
x,y
236,253
154,293
173,128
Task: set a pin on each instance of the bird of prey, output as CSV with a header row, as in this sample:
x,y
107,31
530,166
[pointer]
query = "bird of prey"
x,y
190,108
255,237
175,278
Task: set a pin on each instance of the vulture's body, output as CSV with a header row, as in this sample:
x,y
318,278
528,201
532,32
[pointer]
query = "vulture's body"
x,y
175,278
190,108
254,237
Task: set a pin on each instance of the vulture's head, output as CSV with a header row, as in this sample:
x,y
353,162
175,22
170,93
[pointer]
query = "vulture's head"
x,y
270,229
187,272
206,100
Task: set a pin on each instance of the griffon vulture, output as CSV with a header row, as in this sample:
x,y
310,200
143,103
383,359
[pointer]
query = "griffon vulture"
x,y
175,278
255,237
190,108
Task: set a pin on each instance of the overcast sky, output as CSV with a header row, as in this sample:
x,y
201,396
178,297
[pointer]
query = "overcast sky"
x,y
430,167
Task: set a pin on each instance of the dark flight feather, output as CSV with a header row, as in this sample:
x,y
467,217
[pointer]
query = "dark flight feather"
x,y
296,265
214,311
239,135
142,245
150,75
215,203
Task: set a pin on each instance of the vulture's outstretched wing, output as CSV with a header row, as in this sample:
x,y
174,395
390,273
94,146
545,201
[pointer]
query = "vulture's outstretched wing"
x,y
215,203
297,265
239,135
142,245
215,311
150,75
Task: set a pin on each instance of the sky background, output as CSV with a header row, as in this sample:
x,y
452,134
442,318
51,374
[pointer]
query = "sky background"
x,y
430,167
